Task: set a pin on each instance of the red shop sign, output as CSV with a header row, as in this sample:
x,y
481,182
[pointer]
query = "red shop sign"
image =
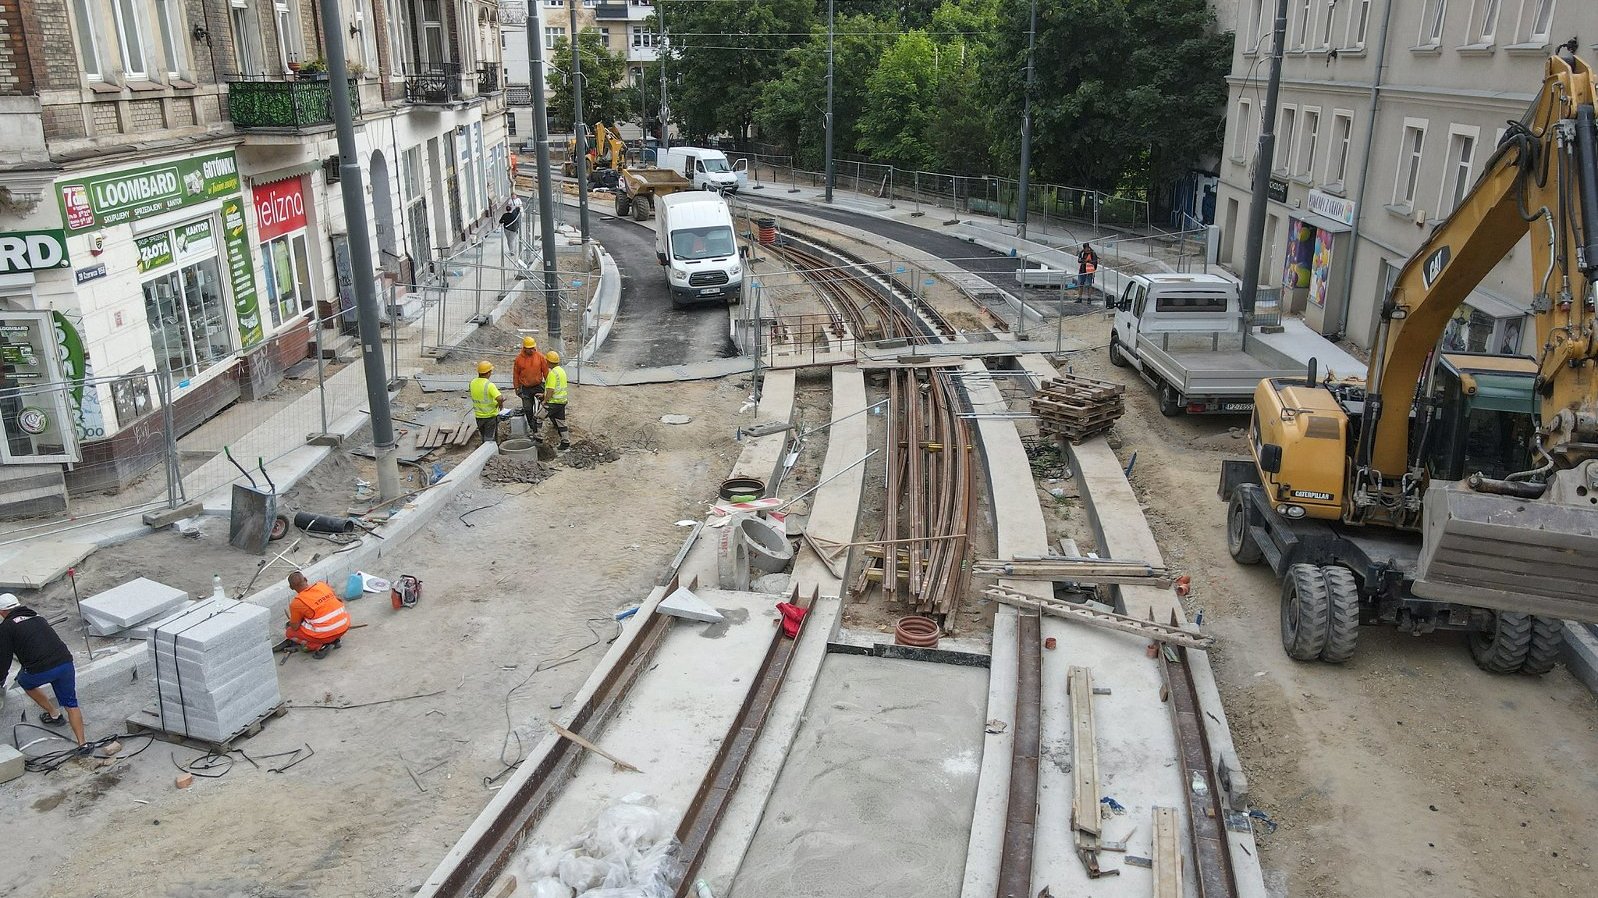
x,y
279,207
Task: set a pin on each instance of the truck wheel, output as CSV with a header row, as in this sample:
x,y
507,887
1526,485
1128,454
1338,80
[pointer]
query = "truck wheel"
x,y
643,209
1116,358
624,205
1502,647
1547,638
1305,609
1239,540
1342,621
1170,402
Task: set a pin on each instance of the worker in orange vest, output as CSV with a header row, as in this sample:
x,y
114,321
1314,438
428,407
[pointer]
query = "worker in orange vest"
x,y
527,376
1087,265
317,619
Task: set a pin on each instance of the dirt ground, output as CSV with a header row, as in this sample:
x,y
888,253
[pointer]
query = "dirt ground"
x,y
532,577
1405,772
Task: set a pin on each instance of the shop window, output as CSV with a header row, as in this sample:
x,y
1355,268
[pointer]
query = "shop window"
x,y
288,281
34,421
187,315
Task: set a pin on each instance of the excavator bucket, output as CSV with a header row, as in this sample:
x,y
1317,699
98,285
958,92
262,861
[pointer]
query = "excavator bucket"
x,y
1535,556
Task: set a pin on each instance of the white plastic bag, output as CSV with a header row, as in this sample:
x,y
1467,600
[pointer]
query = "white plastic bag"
x,y
582,872
550,888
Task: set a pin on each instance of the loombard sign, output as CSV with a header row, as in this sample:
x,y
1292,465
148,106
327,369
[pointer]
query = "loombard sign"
x,y
97,201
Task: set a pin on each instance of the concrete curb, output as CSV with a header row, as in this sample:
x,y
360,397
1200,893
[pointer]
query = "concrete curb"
x,y
130,659
602,309
1581,654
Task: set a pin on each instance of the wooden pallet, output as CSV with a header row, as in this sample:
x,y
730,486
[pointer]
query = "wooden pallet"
x,y
1075,383
148,723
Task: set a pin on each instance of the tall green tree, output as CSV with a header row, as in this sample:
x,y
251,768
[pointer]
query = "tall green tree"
x,y
1180,102
792,106
605,93
901,104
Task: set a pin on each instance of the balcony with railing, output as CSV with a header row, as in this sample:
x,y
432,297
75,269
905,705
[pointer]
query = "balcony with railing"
x,y
300,104
438,84
488,79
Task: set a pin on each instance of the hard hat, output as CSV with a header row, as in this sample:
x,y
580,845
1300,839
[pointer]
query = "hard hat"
x,y
529,343
553,356
8,601
485,367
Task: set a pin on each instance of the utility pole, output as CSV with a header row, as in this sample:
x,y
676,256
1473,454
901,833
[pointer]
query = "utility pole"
x,y
371,331
546,183
828,166
1026,126
665,115
579,164
1263,161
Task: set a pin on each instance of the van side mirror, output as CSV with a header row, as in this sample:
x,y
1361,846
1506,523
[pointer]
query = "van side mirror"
x,y
661,256
1124,305
1270,458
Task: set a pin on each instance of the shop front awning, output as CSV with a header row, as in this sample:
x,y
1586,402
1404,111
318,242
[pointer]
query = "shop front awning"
x,y
1321,221
283,174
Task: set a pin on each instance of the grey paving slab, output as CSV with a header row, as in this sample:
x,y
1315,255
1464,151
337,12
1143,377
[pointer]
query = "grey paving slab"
x,y
133,602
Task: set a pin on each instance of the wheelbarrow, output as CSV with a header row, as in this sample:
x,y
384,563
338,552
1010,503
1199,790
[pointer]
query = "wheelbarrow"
x,y
254,521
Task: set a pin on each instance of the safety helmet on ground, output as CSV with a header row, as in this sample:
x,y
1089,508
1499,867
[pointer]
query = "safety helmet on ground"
x,y
553,356
529,343
485,367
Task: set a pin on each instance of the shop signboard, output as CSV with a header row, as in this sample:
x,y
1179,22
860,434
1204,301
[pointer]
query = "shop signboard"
x,y
32,250
154,251
279,208
1277,189
241,271
1334,207
98,201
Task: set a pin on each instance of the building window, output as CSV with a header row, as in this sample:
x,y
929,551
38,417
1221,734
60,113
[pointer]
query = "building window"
x,y
1456,179
359,21
604,37
1541,20
1312,134
1432,19
246,39
399,39
1326,28
1342,133
510,123
1284,139
288,282
1306,12
1409,156
171,24
88,42
1359,21
130,34
642,37
286,16
1245,119
643,2
1486,25
184,304
554,2
551,35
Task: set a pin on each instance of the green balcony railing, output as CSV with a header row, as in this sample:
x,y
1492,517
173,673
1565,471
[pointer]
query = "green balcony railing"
x,y
291,105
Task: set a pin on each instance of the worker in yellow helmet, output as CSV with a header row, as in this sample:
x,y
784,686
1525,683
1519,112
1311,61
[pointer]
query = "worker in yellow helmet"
x,y
486,402
555,397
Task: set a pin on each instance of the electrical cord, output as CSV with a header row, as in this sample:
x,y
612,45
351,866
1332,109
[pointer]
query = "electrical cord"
x,y
51,761
510,727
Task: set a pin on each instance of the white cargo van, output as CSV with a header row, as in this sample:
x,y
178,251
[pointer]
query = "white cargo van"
x,y
708,169
694,240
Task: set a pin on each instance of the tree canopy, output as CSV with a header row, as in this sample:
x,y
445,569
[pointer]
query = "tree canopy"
x,y
606,95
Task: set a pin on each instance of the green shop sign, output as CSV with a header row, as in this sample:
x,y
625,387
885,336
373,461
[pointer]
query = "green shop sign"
x,y
154,251
241,270
101,200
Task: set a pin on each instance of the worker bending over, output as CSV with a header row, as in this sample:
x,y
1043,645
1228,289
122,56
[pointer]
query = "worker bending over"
x,y
555,398
317,619
486,402
44,658
531,368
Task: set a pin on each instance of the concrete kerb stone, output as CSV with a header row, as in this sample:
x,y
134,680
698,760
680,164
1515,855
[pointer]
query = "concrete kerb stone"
x,y
985,846
600,314
761,457
1581,654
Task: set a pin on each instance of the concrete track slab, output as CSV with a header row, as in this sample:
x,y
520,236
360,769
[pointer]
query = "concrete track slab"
x,y
42,562
877,796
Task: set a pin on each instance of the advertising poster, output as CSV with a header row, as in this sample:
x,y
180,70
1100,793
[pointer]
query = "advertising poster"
x,y
241,271
1320,266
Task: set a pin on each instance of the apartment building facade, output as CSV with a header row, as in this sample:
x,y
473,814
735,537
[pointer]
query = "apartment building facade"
x,y
1390,110
171,222
622,25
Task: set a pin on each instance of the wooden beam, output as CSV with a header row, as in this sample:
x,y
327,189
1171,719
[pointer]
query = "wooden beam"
x,y
1084,753
580,741
1167,855
1106,619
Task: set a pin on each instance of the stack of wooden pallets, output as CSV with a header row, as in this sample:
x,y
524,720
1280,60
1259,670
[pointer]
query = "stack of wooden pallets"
x,y
1077,407
433,437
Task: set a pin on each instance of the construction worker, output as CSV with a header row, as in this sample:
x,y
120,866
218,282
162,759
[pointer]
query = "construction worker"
x,y
1087,265
555,397
486,402
317,619
527,377
44,658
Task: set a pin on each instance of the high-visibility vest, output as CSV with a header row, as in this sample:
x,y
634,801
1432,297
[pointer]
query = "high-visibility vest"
x,y
556,382
485,398
321,613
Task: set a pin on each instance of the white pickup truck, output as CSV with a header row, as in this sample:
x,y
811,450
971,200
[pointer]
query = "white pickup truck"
x,y
1184,333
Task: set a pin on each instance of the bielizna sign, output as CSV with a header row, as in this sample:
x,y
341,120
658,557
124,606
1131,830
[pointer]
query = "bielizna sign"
x,y
96,201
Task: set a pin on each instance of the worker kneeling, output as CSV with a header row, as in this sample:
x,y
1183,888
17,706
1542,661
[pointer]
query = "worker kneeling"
x,y
317,619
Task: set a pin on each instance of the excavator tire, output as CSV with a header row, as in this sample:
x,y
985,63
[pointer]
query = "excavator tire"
x,y
1547,639
1239,540
1342,624
1306,608
1503,646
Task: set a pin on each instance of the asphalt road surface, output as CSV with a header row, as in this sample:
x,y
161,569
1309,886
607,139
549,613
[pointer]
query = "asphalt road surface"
x,y
649,331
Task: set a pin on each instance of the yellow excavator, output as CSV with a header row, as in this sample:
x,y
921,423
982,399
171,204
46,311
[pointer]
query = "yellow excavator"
x,y
605,150
1450,491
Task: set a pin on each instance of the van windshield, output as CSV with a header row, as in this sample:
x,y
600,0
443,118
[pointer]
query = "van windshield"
x,y
711,242
714,165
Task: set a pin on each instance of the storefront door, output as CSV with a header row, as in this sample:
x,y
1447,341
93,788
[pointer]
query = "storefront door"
x,y
34,422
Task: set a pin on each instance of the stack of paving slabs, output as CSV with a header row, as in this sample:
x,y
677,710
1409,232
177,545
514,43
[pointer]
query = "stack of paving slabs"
x,y
1077,407
127,606
214,672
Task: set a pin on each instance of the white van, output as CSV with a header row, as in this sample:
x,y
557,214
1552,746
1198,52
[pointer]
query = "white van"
x,y
694,240
708,169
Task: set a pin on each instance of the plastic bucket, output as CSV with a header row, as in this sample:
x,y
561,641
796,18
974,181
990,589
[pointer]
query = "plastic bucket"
x,y
742,489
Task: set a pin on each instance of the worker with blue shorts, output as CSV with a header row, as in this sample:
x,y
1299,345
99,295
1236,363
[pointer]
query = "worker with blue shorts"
x,y
46,661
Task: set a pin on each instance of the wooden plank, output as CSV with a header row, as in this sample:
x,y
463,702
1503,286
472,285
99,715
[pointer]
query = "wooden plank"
x,y
1167,855
1084,753
1106,619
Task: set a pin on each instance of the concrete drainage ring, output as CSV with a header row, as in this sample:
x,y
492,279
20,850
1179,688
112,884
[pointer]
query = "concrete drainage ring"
x,y
518,449
919,632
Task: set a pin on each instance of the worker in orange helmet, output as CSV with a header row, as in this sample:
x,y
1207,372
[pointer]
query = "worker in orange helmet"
x,y
317,619
527,377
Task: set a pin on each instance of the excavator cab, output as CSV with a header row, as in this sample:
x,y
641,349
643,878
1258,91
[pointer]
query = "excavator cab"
x,y
1482,416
